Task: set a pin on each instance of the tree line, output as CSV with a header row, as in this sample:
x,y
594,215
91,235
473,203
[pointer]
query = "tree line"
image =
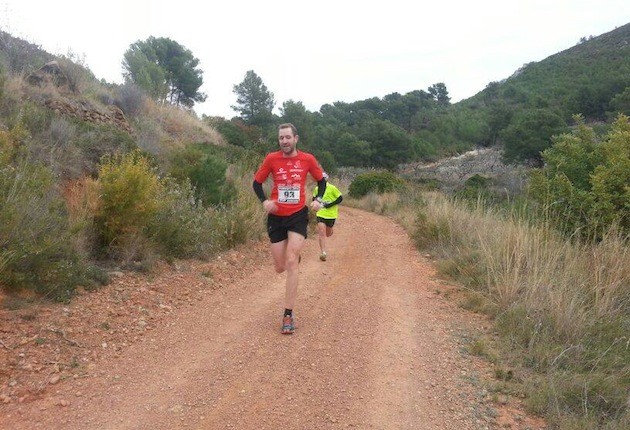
x,y
520,114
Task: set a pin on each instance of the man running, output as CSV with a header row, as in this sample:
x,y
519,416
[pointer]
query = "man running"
x,y
327,215
287,213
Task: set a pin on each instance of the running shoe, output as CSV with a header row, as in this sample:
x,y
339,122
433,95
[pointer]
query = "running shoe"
x,y
287,325
323,256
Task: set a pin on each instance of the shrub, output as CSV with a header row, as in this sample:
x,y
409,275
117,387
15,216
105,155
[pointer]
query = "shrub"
x,y
150,136
234,132
79,75
584,184
378,182
56,146
205,171
131,197
98,141
529,133
131,99
36,241
475,187
182,226
237,222
19,56
10,144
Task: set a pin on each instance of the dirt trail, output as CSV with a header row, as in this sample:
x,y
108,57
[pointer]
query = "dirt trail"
x,y
375,348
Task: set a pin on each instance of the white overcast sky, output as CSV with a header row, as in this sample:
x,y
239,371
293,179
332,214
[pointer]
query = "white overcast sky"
x,y
323,51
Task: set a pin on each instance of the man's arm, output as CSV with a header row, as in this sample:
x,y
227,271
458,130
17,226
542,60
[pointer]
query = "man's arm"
x,y
334,202
258,189
321,189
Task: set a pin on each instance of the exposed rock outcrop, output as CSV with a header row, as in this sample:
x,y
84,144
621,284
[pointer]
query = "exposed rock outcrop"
x,y
51,74
455,170
85,111
69,103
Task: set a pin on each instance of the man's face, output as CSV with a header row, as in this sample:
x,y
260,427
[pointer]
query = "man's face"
x,y
287,141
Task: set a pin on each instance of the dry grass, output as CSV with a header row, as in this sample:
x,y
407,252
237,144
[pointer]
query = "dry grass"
x,y
526,263
82,199
400,207
244,219
181,126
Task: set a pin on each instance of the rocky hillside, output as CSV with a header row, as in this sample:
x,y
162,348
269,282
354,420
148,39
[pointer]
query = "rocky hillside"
x,y
454,171
69,103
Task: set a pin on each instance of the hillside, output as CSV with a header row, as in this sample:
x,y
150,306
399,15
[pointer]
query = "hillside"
x,y
518,114
584,79
64,139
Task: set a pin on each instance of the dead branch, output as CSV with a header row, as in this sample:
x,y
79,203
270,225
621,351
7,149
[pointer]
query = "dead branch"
x,y
63,335
5,345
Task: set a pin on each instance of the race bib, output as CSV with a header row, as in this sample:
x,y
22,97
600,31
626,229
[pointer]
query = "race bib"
x,y
289,194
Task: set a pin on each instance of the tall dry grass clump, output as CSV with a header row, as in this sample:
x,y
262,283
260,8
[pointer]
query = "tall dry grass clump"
x,y
243,218
182,126
399,205
82,197
521,261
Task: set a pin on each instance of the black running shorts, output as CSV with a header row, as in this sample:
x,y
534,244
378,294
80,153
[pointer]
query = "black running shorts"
x,y
278,227
327,221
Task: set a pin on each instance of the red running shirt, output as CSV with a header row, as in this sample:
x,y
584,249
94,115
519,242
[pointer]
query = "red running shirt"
x,y
289,179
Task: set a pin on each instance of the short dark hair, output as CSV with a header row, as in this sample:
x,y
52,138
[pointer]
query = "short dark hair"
x,y
288,125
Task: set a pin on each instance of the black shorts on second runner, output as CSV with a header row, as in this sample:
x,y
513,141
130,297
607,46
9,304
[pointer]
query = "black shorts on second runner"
x,y
329,222
278,227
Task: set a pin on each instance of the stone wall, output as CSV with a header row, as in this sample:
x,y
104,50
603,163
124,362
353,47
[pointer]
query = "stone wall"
x,y
83,110
70,103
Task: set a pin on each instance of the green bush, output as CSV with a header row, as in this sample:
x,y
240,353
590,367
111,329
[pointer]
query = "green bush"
x,y
584,184
327,161
182,226
378,182
36,246
529,133
476,187
142,216
131,197
234,132
206,173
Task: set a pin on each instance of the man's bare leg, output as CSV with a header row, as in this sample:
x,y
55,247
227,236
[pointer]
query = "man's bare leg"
x,y
279,254
321,236
295,242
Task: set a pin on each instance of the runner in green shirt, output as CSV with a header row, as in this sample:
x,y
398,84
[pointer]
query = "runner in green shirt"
x,y
327,215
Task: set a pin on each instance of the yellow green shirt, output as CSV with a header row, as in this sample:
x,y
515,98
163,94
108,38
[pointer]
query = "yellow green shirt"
x,y
330,195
